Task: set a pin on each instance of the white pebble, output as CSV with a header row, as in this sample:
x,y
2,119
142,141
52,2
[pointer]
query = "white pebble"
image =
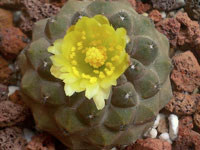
x,y
146,134
165,136
145,14
28,134
163,14
153,133
12,89
156,122
173,126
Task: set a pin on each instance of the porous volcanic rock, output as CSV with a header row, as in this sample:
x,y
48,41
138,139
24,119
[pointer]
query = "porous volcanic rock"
x,y
187,140
182,104
11,113
12,139
150,144
6,18
13,40
41,142
5,71
186,72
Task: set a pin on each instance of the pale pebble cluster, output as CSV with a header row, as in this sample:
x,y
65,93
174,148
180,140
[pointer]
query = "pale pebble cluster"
x,y
173,128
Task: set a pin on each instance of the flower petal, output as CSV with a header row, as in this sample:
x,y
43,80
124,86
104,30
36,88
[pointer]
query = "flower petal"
x,y
69,91
99,101
55,49
55,71
91,91
101,19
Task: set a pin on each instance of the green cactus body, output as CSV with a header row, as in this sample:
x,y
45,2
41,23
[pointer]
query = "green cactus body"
x,y
133,104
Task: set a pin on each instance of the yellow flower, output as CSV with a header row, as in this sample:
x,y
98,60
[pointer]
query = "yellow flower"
x,y
90,58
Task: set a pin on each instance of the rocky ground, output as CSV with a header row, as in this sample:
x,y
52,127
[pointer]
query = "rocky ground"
x,y
177,126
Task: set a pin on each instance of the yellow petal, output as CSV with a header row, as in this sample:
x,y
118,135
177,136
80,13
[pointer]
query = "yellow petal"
x,y
68,78
69,91
55,49
99,101
91,91
101,19
55,71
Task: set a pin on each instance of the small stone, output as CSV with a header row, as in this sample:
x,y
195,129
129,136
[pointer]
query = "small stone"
x,y
187,122
165,136
41,142
153,133
197,119
163,14
12,42
157,121
167,5
34,11
197,113
6,18
12,139
150,144
186,72
3,92
28,134
10,3
182,104
11,113
5,71
170,27
142,7
187,140
163,124
155,16
16,98
189,36
173,126
12,89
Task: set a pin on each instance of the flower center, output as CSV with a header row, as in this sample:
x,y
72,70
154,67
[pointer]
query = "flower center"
x,y
96,57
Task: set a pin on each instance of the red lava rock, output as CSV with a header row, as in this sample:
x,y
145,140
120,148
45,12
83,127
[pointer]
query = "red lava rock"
x,y
187,122
16,98
190,31
164,5
182,104
181,31
142,7
3,92
12,41
197,114
150,144
187,140
6,18
11,113
155,16
197,119
5,71
186,72
41,142
59,3
170,27
36,10
12,139
10,3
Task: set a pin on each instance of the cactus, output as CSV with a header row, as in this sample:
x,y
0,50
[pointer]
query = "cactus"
x,y
141,91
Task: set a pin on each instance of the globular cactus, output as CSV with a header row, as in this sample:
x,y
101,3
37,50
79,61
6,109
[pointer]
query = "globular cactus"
x,y
133,103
